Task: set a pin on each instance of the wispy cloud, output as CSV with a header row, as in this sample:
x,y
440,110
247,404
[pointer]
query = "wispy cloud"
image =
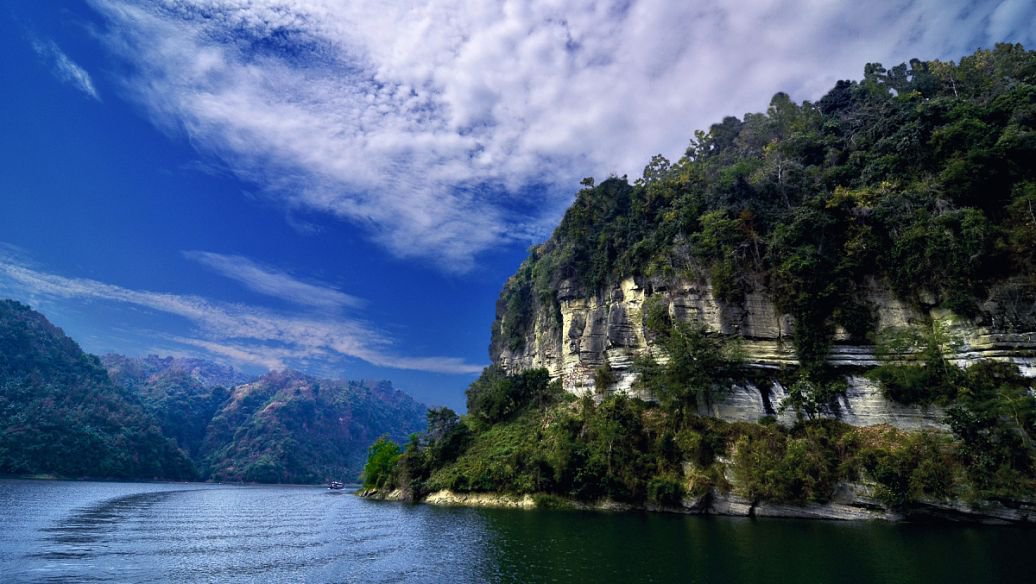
x,y
64,68
272,282
445,128
242,333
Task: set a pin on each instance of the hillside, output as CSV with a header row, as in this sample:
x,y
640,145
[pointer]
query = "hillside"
x,y
826,310
284,427
61,415
182,394
289,427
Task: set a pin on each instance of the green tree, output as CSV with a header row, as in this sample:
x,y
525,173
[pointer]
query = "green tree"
x,y
382,457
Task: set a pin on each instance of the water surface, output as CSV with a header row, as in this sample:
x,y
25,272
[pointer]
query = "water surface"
x,y
55,531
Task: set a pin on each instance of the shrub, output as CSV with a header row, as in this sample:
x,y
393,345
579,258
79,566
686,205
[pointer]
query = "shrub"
x,y
665,489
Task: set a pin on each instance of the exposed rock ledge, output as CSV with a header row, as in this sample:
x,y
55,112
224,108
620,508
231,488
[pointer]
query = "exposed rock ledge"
x,y
609,331
852,502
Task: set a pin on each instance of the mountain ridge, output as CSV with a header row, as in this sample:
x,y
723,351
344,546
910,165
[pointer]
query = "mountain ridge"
x,y
66,413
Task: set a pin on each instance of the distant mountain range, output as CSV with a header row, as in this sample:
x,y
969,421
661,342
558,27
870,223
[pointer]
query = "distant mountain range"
x,y
70,414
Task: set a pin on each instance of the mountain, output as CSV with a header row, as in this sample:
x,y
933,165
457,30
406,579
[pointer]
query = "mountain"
x,y
183,394
69,414
283,427
145,371
289,427
824,310
61,415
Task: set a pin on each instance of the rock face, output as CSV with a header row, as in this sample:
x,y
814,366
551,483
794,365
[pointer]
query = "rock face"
x,y
586,334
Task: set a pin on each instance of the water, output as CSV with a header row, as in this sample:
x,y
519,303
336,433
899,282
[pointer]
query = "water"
x,y
53,531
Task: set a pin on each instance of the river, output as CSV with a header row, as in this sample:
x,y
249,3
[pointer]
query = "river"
x,y
61,531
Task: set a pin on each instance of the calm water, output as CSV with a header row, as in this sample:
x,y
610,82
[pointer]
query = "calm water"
x,y
54,531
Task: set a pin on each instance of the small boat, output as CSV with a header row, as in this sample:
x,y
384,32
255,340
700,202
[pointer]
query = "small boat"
x,y
336,486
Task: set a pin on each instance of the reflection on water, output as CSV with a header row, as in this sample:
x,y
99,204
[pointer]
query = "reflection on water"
x,y
121,532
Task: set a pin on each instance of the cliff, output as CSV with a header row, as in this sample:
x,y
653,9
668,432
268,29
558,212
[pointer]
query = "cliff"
x,y
608,330
811,234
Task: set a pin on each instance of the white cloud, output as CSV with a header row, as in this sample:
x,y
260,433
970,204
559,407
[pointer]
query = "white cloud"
x,y
273,282
429,124
246,334
64,68
1012,18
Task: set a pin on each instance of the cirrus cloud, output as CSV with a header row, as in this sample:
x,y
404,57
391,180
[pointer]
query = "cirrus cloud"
x,y
239,332
64,69
273,282
447,128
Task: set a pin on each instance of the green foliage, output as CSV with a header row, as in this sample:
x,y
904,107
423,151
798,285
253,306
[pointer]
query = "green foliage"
x,y
995,421
991,406
665,489
61,415
545,501
812,395
913,369
382,457
797,466
700,366
919,176
604,377
500,460
907,466
629,450
496,396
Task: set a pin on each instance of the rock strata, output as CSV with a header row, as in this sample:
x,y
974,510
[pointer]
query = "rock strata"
x,y
608,330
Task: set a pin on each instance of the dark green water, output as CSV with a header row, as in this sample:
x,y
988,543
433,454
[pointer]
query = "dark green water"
x,y
53,531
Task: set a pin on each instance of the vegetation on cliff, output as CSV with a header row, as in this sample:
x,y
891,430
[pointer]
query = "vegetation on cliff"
x,y
549,442
921,176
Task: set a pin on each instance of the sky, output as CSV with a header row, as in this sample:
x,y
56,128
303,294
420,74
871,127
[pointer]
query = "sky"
x,y
344,187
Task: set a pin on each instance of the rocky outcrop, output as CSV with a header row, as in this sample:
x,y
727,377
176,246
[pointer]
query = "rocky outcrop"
x,y
855,502
584,334
851,502
493,500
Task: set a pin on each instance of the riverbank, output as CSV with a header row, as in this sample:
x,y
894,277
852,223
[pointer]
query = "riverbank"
x,y
851,502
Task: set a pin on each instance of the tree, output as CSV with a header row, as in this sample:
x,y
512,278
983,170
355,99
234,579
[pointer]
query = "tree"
x,y
382,457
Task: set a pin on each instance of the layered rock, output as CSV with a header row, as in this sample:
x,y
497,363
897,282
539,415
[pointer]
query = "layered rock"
x,y
588,333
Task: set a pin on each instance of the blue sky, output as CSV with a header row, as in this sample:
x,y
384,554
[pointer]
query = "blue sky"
x,y
343,188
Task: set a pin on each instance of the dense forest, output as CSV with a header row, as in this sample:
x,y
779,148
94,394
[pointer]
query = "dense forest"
x,y
61,415
921,177
68,414
287,427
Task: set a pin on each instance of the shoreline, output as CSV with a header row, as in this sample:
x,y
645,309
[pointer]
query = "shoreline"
x,y
47,478
852,502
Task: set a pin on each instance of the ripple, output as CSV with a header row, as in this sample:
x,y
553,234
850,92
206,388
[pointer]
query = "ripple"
x,y
103,532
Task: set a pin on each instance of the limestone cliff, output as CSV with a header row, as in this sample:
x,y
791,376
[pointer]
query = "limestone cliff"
x,y
907,198
583,334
